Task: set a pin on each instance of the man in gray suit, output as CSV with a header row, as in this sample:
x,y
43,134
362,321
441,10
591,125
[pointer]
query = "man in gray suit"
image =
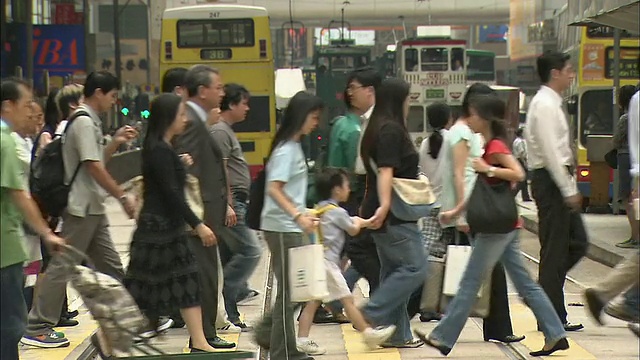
x,y
204,91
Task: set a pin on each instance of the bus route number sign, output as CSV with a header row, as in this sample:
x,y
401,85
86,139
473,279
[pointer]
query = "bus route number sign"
x,y
215,54
214,15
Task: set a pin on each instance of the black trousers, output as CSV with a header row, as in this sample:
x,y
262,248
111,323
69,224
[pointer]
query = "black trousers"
x,y
523,186
563,238
497,325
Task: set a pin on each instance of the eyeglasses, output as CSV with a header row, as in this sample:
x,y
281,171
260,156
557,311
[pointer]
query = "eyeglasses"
x,y
353,89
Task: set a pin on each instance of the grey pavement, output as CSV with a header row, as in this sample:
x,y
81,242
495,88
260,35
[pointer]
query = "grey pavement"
x,y
604,231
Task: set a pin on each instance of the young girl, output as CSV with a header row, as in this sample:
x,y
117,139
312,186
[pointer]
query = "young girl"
x,y
496,165
333,186
285,220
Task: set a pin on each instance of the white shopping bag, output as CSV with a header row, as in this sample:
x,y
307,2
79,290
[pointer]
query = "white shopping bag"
x,y
456,263
307,274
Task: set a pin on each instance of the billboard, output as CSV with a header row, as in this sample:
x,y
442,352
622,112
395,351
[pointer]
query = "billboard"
x,y
523,13
59,49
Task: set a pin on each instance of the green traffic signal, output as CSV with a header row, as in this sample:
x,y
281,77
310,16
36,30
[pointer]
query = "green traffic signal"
x,y
145,114
125,111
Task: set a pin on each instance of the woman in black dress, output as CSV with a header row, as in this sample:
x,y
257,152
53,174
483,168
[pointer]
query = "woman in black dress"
x,y
162,274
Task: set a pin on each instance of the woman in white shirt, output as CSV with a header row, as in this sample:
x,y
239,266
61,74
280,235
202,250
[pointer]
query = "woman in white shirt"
x,y
431,164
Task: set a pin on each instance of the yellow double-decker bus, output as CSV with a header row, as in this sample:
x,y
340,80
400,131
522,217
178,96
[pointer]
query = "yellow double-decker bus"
x,y
236,40
592,92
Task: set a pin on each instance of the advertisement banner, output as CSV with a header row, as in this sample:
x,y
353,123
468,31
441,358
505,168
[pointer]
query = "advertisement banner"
x,y
59,49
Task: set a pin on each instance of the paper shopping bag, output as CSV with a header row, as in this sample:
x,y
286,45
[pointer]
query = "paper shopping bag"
x,y
307,274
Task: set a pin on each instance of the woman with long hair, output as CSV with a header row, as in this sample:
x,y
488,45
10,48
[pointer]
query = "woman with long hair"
x,y
51,120
162,273
462,147
495,166
387,152
284,218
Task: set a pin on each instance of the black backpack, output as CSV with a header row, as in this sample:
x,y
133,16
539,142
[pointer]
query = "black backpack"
x,y
46,180
256,201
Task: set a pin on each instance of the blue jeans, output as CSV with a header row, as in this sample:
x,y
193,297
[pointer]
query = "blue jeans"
x,y
245,254
13,311
632,301
488,249
403,268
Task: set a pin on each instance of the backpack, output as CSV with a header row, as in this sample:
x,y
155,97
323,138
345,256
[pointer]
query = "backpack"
x,y
46,180
256,201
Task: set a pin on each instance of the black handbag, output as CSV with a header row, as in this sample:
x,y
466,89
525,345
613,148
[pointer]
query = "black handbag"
x,y
492,208
611,158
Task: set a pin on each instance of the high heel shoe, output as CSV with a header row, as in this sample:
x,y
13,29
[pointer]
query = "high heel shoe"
x,y
561,344
96,343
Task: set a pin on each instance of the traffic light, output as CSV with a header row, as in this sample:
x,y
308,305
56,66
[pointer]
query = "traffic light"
x,y
125,111
144,114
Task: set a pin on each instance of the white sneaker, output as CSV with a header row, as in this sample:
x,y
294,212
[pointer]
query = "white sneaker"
x,y
310,347
229,329
374,337
164,324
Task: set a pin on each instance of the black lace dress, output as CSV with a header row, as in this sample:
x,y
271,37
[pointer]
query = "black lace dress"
x,y
162,275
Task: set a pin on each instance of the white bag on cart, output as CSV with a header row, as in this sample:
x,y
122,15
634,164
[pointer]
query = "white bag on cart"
x,y
307,274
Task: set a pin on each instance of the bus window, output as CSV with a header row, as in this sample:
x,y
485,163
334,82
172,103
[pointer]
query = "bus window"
x,y
480,68
434,59
206,33
457,59
411,60
342,63
415,119
596,114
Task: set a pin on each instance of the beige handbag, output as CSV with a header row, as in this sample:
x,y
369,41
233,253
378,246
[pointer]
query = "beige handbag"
x,y
191,194
411,199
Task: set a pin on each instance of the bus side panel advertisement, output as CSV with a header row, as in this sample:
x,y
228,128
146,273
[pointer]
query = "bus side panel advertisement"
x,y
593,62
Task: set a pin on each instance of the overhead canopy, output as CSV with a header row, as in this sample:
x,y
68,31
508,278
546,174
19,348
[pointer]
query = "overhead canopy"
x,y
624,17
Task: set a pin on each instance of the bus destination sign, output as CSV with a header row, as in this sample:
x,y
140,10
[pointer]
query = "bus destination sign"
x,y
629,59
215,54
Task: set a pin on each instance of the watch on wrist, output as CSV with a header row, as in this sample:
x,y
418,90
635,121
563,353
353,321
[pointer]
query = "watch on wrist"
x,y
491,172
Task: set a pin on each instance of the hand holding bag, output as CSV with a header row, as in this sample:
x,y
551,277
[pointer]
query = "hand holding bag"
x,y
307,273
411,199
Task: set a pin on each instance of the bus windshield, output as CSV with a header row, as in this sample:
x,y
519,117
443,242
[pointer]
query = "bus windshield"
x,y
596,114
480,67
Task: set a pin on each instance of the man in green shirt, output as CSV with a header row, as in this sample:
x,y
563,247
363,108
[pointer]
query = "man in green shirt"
x,y
15,204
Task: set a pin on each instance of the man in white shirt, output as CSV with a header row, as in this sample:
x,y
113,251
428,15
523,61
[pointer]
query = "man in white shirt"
x,y
563,238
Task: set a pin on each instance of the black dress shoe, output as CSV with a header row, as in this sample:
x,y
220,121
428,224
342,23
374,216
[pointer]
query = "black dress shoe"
x,y
430,317
562,344
572,327
72,314
444,350
594,304
64,322
507,339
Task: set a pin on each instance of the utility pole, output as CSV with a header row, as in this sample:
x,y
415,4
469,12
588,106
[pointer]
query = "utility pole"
x,y
29,38
116,39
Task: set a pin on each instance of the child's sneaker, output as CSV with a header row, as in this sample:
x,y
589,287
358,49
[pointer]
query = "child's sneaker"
x,y
374,337
310,347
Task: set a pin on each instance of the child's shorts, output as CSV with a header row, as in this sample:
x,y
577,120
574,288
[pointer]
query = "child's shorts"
x,y
336,283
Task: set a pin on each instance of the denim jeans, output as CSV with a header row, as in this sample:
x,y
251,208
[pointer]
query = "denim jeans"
x,y
244,257
13,310
403,268
488,249
632,301
352,276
